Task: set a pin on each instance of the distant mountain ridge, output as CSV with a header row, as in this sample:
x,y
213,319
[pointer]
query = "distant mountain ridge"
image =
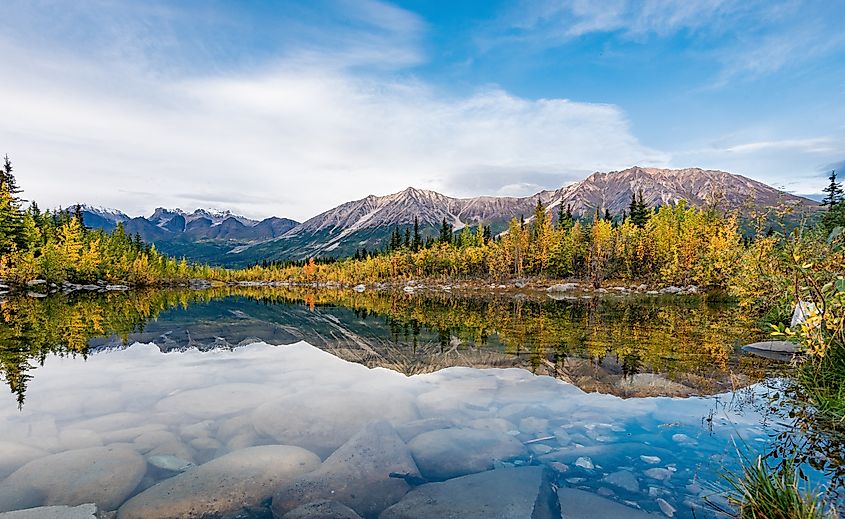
x,y
203,235
367,223
698,187
221,237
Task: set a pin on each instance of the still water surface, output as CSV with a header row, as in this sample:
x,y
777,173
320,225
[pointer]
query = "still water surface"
x,y
254,402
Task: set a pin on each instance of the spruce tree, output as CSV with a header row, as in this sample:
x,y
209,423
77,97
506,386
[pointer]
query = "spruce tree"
x,y
565,219
417,237
539,219
12,235
638,211
833,190
8,178
632,207
445,232
77,214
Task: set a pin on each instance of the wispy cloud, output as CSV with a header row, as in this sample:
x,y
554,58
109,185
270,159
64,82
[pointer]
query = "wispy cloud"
x,y
310,126
746,38
813,145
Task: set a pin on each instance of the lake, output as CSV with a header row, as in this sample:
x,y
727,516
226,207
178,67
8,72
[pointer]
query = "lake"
x,y
260,402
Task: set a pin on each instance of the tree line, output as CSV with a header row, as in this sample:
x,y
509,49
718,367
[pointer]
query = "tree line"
x,y
57,247
666,245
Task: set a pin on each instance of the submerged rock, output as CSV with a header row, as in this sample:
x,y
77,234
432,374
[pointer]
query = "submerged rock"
x,y
665,507
408,431
323,509
102,475
14,455
585,463
219,400
658,473
358,474
79,439
323,421
87,511
239,481
170,463
509,493
623,479
448,453
578,504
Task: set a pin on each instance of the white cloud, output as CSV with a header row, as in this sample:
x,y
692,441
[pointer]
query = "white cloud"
x,y
306,130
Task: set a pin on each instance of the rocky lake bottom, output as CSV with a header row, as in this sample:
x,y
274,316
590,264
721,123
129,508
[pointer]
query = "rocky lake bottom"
x,y
259,403
294,432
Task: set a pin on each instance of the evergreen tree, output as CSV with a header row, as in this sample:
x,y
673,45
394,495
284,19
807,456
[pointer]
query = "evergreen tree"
x,y
539,220
633,207
607,216
395,239
8,178
417,243
565,220
444,233
833,190
11,215
407,237
77,214
488,234
638,211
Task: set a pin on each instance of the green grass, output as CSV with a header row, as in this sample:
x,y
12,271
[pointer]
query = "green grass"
x,y
760,491
823,384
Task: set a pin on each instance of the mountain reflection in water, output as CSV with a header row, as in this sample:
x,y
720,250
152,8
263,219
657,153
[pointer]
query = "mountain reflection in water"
x,y
627,346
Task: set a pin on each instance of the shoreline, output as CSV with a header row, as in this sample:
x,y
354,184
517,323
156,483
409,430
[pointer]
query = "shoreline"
x,y
557,289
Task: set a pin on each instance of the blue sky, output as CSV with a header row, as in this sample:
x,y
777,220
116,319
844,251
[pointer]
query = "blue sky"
x,y
290,108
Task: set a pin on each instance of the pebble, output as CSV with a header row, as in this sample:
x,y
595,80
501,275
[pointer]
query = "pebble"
x,y
585,463
651,460
666,508
624,480
658,473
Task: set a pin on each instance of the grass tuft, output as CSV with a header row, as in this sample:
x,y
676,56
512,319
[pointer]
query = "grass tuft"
x,y
760,491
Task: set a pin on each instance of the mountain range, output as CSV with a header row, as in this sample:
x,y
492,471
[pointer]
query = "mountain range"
x,y
223,238
203,235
